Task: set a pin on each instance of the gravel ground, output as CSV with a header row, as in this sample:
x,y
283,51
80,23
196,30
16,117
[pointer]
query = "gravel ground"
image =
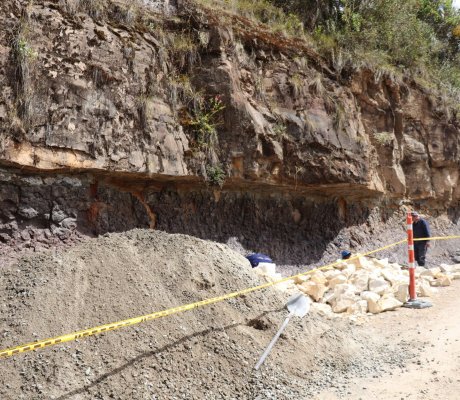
x,y
206,353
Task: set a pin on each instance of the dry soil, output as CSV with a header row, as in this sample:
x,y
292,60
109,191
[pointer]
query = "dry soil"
x,y
202,354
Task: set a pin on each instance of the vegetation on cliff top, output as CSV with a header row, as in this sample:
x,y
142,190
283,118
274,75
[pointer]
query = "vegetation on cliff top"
x,y
420,37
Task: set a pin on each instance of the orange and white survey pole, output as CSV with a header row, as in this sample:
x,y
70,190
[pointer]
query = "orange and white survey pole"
x,y
410,246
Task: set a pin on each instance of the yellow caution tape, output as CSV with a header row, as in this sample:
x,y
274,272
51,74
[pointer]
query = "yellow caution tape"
x,y
159,314
438,238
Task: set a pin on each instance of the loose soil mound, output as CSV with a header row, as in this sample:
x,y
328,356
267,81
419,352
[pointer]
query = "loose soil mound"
x,y
206,353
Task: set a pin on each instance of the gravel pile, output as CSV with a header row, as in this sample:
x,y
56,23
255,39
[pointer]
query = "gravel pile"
x,y
206,353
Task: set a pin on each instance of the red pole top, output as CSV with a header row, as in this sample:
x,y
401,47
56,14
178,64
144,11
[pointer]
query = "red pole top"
x,y
409,218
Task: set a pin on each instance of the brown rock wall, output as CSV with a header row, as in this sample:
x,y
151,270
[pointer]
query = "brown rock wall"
x,y
124,100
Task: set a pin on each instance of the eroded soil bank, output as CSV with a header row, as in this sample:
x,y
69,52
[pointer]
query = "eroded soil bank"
x,y
300,227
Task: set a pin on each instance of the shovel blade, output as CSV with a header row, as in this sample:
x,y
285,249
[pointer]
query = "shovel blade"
x,y
298,305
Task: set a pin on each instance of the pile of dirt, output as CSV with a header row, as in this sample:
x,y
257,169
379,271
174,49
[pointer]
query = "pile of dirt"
x,y
205,353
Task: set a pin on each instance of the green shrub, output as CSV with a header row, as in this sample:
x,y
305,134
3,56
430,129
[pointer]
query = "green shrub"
x,y
262,11
279,129
24,57
203,122
215,175
383,138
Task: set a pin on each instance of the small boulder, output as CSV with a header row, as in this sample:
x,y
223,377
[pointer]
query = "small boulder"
x,y
424,289
447,268
328,296
361,280
383,263
298,280
389,303
367,295
313,289
360,307
319,277
441,280
343,301
337,280
455,275
332,273
394,277
27,212
378,285
350,270
372,301
401,292
344,287
419,270
430,272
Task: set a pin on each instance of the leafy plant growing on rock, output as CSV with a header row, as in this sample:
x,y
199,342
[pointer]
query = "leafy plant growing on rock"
x,y
279,129
296,82
184,50
383,138
181,90
316,85
24,57
204,121
215,175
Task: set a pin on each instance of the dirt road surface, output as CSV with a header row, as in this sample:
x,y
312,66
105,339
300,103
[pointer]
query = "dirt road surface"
x,y
435,374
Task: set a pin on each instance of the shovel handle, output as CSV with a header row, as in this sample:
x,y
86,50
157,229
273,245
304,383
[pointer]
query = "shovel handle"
x,y
272,343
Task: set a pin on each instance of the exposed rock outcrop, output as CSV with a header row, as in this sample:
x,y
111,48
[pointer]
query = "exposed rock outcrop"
x,y
133,104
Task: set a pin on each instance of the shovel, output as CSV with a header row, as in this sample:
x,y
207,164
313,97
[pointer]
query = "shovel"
x,y
297,305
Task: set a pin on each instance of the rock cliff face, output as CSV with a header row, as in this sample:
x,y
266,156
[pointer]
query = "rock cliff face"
x,y
118,114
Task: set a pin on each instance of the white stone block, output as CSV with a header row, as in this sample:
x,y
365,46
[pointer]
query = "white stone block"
x,y
375,274
319,277
394,267
379,285
370,296
455,275
266,268
328,297
313,289
447,268
389,303
373,306
430,272
392,276
419,270
337,280
351,269
344,287
365,263
424,289
301,279
340,265
441,280
343,301
383,263
361,280
360,307
331,273
401,292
